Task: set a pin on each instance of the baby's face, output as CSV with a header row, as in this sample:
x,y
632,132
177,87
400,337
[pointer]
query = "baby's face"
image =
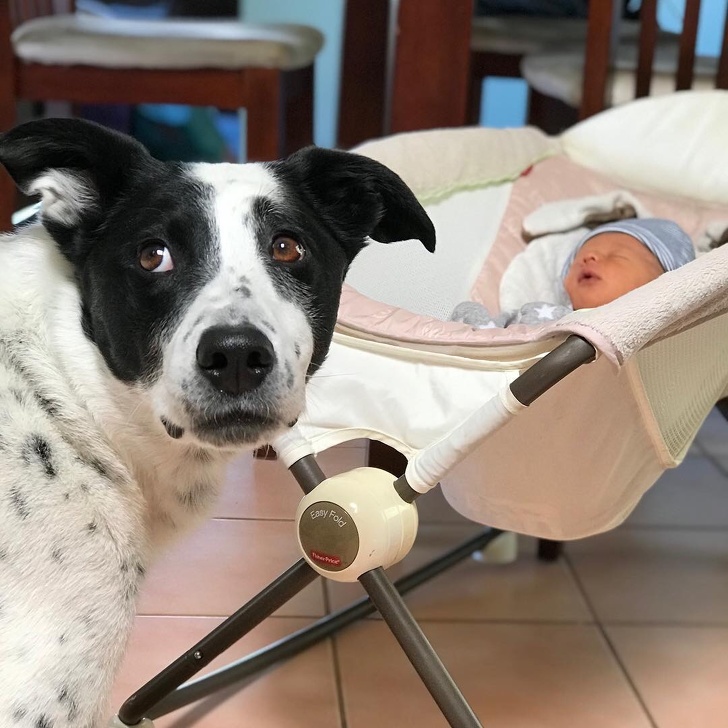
x,y
608,266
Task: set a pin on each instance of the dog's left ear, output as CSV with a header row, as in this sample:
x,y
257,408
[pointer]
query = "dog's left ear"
x,y
357,197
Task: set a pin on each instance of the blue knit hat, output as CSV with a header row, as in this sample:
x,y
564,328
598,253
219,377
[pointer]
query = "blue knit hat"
x,y
670,244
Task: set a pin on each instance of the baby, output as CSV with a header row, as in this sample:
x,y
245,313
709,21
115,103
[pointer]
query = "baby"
x,y
608,262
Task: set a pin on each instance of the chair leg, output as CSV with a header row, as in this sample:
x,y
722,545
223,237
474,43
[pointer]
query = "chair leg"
x,y
475,96
297,109
722,405
263,94
386,458
8,195
549,114
548,550
8,191
280,112
265,452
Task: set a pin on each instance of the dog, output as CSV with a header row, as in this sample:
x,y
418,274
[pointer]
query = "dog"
x,y
156,319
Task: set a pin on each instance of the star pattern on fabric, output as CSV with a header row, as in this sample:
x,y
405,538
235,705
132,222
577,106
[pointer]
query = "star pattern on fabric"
x,y
546,312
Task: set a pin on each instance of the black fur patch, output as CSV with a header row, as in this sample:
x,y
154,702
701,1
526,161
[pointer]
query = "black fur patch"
x,y
19,503
38,448
49,406
127,311
20,713
174,431
66,699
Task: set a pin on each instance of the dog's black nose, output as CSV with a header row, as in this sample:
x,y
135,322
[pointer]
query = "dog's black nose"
x,y
235,360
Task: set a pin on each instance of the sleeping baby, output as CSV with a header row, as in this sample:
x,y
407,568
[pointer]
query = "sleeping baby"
x,y
608,261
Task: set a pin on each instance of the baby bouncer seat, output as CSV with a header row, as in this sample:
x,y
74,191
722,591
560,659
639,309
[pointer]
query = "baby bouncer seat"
x,y
554,430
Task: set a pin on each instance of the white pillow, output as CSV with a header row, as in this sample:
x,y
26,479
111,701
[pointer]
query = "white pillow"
x,y
675,144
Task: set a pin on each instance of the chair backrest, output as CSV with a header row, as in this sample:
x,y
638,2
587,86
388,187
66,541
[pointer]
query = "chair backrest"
x,y
601,45
22,10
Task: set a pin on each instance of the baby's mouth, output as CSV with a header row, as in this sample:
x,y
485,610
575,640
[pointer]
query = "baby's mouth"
x,y
588,276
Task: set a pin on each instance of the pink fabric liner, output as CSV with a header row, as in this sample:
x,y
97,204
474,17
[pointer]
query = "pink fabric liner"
x,y
553,179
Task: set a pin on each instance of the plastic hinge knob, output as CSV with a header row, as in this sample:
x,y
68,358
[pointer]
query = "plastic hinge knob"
x,y
355,522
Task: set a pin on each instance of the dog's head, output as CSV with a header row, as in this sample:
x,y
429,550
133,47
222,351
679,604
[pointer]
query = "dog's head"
x,y
213,287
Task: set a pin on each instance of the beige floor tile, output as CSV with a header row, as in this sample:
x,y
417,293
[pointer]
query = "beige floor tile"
x,y
298,694
679,672
655,575
695,494
514,676
265,489
524,590
223,564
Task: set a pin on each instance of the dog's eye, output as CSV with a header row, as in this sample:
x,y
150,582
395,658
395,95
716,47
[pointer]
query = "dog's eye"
x,y
156,258
287,250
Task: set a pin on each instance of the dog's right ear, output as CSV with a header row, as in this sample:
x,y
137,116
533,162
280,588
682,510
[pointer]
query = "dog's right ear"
x,y
78,168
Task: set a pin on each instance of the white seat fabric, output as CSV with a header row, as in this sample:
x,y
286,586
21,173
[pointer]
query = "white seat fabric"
x,y
559,74
79,39
521,34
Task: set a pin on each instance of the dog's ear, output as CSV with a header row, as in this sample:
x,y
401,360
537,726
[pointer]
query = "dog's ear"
x,y
77,167
357,197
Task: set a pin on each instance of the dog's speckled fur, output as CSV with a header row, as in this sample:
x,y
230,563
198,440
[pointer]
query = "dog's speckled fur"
x,y
112,432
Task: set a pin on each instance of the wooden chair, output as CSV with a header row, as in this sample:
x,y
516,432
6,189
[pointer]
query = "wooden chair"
x,y
499,43
49,52
612,70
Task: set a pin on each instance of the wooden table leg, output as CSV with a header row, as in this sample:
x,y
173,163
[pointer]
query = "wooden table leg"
x,y
431,73
363,72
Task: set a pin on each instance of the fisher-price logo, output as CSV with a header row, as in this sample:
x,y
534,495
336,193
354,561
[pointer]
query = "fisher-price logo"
x,y
325,559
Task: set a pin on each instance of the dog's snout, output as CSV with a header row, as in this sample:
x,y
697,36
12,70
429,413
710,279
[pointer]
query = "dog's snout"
x,y
235,360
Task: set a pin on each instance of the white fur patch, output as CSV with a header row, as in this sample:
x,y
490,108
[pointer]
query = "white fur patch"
x,y
64,195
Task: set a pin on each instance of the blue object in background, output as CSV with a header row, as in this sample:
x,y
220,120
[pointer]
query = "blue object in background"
x,y
503,102
328,17
710,25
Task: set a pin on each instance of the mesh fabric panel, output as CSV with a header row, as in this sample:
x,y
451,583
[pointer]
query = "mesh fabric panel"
x,y
683,378
405,275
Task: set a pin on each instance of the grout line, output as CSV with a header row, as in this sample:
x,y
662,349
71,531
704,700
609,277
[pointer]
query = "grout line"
x,y
661,624
338,681
335,661
605,636
672,527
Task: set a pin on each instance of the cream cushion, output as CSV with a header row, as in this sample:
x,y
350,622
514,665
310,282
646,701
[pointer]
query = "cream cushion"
x,y
559,74
671,144
79,39
522,34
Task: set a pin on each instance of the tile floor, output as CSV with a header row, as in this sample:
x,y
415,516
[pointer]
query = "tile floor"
x,y
628,630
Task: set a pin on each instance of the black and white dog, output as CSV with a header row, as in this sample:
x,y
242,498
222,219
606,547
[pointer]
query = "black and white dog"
x,y
160,318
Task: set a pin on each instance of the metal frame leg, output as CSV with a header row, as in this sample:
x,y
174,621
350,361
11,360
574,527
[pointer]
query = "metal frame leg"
x,y
172,695
423,657
155,692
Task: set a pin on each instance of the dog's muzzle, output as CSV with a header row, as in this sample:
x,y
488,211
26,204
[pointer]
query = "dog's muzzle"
x,y
235,360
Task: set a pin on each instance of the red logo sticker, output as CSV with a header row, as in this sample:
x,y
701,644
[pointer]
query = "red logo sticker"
x,y
325,559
